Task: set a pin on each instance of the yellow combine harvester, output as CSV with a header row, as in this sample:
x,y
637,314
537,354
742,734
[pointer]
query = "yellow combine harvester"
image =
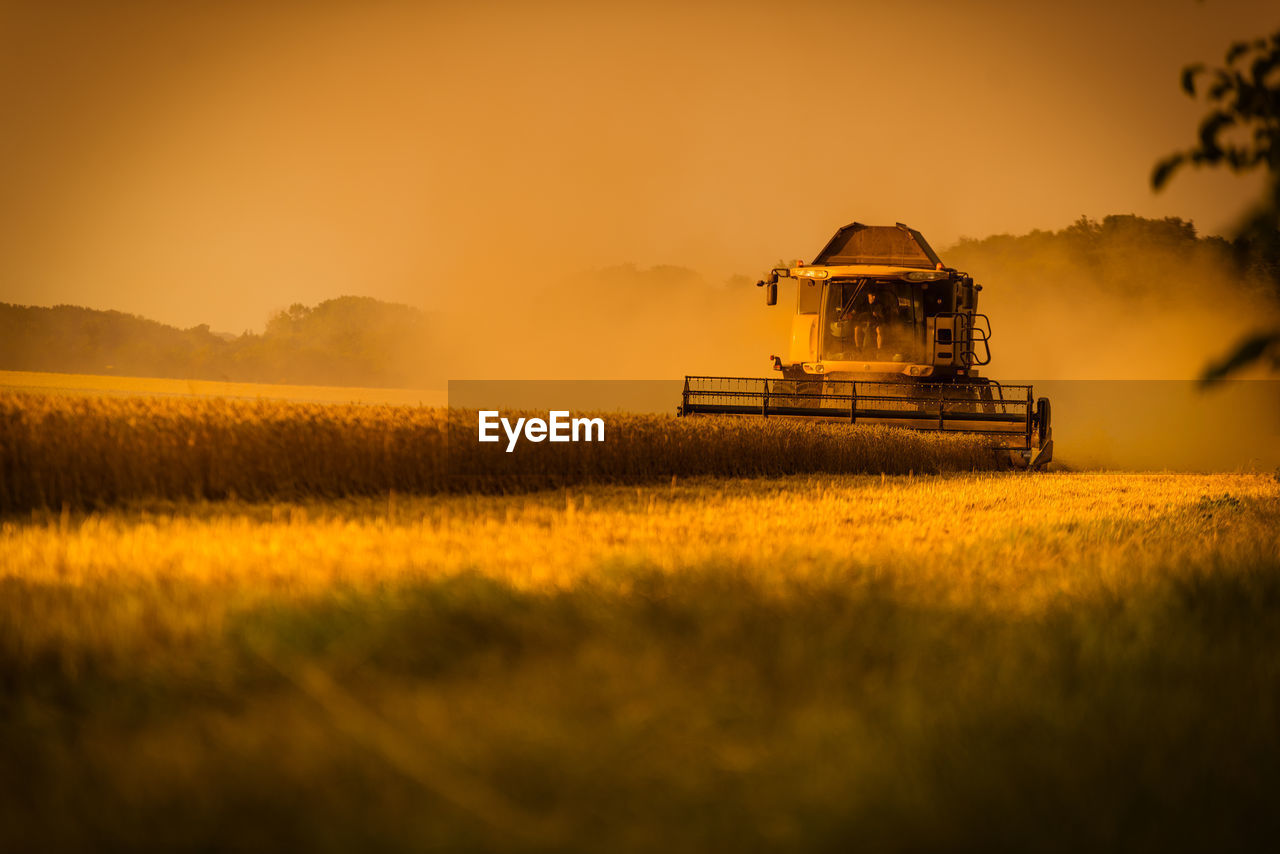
x,y
884,333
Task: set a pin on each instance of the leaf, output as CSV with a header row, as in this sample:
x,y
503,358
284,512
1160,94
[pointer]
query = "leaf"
x,y
1189,78
1262,67
1224,84
1209,130
1247,352
1237,50
1164,170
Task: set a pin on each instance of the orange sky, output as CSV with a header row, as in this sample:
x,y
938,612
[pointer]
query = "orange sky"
x,y
210,162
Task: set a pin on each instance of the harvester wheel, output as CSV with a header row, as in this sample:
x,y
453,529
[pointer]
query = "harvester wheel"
x,y
1044,425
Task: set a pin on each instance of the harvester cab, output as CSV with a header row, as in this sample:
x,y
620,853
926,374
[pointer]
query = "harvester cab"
x,y
884,332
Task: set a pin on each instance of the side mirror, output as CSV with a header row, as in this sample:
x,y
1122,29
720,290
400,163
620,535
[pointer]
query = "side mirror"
x,y
771,294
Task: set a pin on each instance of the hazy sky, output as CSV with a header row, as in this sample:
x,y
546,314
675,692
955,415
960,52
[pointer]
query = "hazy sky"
x,y
210,162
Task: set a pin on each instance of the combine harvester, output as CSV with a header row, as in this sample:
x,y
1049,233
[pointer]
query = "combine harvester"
x,y
884,333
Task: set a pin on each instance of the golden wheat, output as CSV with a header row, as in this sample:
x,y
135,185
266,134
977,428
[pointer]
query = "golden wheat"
x,y
87,452
678,667
984,541
106,384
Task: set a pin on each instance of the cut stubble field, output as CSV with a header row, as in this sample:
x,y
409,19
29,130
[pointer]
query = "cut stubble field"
x,y
964,660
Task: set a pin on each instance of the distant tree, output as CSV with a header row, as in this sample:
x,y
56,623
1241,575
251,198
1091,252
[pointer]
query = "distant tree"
x,y
345,341
1241,132
288,322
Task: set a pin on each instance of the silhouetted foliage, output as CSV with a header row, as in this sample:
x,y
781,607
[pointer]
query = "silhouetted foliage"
x,y
1241,132
1242,129
354,341
1251,349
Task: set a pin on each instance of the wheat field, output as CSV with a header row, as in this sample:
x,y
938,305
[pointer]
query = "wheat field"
x,y
95,451
42,382
976,660
264,625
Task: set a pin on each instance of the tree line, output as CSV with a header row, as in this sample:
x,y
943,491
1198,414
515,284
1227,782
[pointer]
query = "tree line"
x,y
345,341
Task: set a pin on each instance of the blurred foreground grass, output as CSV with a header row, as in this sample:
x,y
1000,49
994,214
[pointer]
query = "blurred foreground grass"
x,y
1053,662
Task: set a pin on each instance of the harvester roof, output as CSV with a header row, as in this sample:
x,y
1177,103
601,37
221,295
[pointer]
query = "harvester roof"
x,y
867,271
882,245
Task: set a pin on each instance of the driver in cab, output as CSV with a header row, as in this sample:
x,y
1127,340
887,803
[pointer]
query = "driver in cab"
x,y
869,315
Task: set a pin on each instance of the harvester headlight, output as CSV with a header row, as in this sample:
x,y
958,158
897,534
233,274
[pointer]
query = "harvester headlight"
x,y
924,276
815,274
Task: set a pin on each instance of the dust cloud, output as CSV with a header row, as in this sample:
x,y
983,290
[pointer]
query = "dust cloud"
x,y
1165,425
619,323
1115,321
1125,299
